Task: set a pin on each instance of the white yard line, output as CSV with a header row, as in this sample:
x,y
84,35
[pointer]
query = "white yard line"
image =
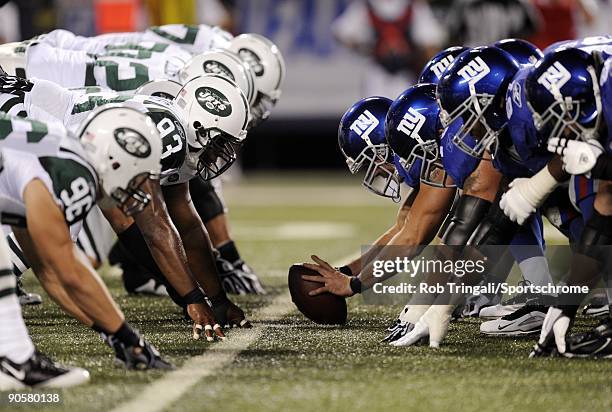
x,y
163,392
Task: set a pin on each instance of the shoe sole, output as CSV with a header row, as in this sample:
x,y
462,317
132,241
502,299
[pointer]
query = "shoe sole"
x,y
514,333
74,377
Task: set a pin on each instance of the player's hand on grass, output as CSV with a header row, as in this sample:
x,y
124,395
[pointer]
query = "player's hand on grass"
x,y
333,280
204,323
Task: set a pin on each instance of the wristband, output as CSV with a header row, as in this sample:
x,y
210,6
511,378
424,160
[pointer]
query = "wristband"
x,y
355,284
195,296
346,270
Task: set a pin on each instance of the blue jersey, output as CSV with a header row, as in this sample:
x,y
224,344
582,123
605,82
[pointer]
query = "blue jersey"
x,y
411,176
606,102
458,164
519,153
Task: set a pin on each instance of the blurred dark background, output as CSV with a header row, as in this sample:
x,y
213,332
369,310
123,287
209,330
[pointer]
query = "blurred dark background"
x,y
337,51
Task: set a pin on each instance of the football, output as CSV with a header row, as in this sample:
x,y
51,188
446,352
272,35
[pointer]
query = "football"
x,y
324,309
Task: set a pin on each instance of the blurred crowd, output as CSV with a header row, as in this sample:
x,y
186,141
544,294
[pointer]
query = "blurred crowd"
x,y
396,37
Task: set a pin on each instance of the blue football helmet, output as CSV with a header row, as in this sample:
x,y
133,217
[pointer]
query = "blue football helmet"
x,y
413,128
523,52
473,88
433,70
361,137
563,95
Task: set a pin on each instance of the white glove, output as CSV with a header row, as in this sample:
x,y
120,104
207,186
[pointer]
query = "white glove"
x,y
578,157
526,195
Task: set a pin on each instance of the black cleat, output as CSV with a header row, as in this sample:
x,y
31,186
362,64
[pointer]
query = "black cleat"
x,y
238,278
399,331
596,343
141,357
39,372
26,298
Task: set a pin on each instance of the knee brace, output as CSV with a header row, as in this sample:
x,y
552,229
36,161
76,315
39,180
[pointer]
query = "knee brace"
x,y
494,229
205,199
468,213
596,237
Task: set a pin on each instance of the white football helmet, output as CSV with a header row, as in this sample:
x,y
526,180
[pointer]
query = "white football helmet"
x,y
167,89
13,59
267,64
124,147
216,112
224,63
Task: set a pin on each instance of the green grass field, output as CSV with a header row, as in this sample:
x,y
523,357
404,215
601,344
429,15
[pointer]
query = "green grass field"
x,y
296,365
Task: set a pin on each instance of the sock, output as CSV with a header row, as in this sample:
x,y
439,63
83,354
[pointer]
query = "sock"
x,y
229,252
535,270
15,343
126,335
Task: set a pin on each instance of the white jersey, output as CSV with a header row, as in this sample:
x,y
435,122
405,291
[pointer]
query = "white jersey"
x,y
46,151
122,68
46,101
195,39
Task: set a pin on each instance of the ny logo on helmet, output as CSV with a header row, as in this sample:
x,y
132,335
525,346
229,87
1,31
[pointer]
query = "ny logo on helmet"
x,y
132,142
554,78
364,125
213,101
214,67
411,124
474,71
440,66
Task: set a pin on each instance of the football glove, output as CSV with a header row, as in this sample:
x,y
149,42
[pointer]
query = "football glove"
x,y
578,157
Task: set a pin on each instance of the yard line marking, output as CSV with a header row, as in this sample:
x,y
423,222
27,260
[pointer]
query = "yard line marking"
x,y
161,393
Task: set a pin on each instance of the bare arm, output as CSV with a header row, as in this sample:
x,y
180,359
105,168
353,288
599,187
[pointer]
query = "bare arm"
x,y
51,239
383,239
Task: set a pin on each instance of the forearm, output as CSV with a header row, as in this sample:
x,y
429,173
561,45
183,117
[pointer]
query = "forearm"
x,y
167,251
201,260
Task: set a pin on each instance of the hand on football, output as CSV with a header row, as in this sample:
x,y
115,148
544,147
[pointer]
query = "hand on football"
x,y
334,281
204,322
578,157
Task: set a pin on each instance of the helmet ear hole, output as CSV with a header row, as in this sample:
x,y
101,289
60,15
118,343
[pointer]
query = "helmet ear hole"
x,y
116,165
197,125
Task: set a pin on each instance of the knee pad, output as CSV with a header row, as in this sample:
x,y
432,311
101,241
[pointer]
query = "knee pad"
x,y
468,213
596,239
205,199
494,229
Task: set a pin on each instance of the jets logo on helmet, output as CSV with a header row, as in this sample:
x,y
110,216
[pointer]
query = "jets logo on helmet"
x,y
411,124
364,125
474,71
214,67
132,142
213,101
253,60
554,78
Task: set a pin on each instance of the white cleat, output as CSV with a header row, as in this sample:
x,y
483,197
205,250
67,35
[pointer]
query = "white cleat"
x,y
499,311
419,332
525,321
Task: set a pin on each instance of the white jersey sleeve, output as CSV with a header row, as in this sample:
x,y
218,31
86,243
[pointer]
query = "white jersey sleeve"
x,y
19,168
68,68
195,39
63,39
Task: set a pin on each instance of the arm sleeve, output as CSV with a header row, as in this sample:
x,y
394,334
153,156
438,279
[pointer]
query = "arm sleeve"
x,y
63,39
67,68
603,168
49,102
